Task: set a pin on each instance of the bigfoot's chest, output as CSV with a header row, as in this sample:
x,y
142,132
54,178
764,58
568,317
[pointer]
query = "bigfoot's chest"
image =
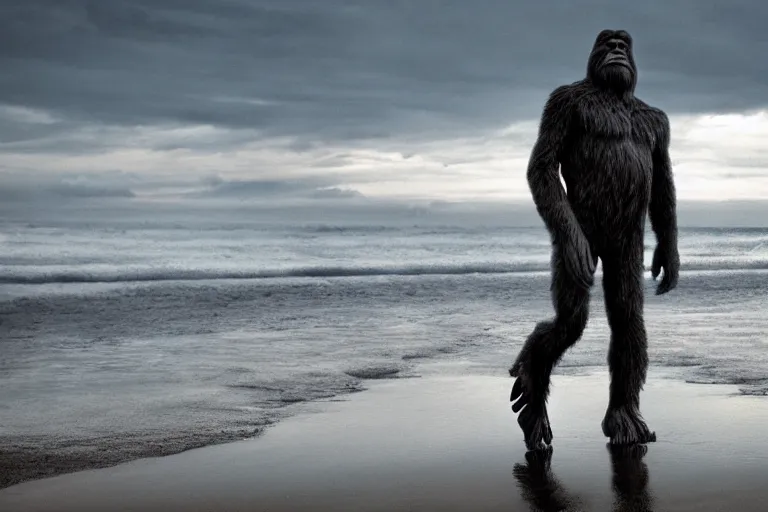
x,y
611,146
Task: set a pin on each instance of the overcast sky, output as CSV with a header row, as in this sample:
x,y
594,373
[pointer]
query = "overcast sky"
x,y
430,99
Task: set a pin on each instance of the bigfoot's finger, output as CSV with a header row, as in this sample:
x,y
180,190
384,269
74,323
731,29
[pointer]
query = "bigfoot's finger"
x,y
669,282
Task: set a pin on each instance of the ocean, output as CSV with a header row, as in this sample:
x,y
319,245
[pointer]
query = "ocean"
x,y
116,332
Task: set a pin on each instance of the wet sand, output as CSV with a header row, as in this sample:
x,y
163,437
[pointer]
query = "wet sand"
x,y
450,443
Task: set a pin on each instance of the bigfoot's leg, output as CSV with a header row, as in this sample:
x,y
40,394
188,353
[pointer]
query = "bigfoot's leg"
x,y
541,352
628,353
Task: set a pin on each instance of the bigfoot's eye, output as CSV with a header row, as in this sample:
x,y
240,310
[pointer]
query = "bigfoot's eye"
x,y
617,45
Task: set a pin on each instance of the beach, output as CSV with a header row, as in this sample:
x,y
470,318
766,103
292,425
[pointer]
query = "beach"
x,y
450,443
126,338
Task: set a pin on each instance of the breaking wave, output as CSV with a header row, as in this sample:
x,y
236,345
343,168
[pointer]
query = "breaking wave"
x,y
40,275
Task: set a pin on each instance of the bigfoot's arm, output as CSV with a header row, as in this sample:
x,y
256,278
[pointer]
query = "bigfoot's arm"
x,y
662,211
548,194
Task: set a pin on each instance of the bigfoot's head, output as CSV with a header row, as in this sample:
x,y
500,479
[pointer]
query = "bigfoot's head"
x,y
611,64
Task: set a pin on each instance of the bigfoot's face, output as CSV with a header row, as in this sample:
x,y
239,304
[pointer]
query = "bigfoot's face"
x,y
611,63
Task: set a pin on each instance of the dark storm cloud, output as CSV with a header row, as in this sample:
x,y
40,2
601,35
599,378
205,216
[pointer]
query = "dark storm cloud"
x,y
338,70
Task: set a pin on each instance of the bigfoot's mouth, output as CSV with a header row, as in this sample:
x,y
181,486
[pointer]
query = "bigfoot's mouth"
x,y
616,60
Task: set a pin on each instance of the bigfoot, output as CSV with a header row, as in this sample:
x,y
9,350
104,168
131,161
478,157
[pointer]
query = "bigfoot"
x,y
612,151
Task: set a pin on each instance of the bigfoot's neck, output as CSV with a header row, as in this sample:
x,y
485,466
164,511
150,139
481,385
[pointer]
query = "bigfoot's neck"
x,y
617,80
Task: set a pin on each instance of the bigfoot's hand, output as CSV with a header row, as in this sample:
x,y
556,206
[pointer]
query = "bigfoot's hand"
x,y
665,256
578,260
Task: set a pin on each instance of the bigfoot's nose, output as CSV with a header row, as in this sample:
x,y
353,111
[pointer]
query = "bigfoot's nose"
x,y
617,45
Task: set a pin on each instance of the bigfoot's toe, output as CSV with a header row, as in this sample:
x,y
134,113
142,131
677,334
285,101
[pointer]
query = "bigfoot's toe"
x,y
533,418
625,425
517,392
535,424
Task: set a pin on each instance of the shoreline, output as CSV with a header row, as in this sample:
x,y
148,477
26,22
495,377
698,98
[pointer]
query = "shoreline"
x,y
25,459
442,432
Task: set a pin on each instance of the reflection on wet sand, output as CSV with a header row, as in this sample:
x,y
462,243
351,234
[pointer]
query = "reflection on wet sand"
x,y
541,489
630,478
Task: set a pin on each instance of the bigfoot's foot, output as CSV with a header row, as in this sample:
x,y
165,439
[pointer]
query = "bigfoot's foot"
x,y
625,425
533,419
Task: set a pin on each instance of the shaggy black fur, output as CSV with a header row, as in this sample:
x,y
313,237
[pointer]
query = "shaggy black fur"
x,y
612,151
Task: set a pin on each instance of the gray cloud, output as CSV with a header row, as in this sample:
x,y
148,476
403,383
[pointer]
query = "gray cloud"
x,y
48,190
339,70
66,188
272,190
53,202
